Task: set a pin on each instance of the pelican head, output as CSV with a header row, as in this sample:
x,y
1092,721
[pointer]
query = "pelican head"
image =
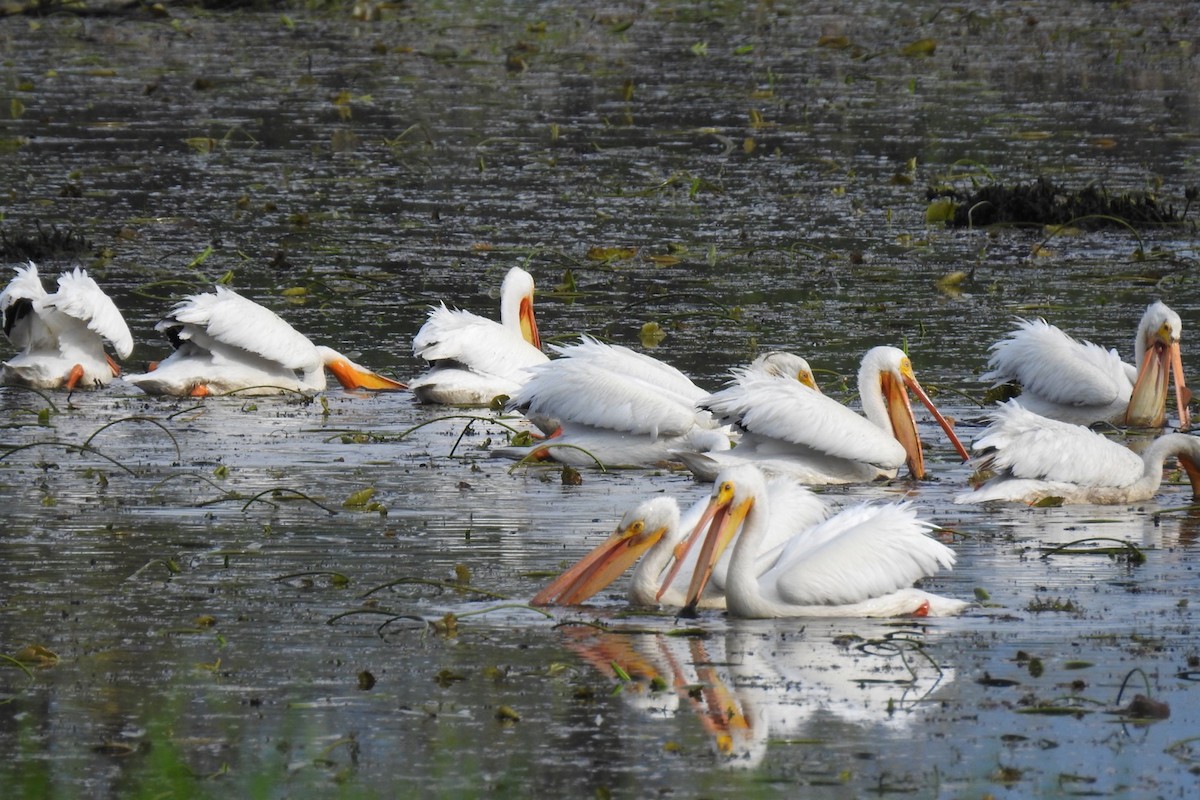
x,y
516,305
782,364
640,529
1158,355
884,380
734,495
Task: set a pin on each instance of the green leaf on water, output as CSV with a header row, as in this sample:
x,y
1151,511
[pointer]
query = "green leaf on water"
x,y
940,210
652,334
359,499
919,48
1048,502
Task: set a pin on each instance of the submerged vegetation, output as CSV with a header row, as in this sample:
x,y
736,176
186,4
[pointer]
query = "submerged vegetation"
x,y
1044,202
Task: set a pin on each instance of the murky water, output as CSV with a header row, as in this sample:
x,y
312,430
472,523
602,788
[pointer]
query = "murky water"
x,y
225,626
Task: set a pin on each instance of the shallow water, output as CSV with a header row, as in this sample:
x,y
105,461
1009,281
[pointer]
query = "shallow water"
x,y
214,607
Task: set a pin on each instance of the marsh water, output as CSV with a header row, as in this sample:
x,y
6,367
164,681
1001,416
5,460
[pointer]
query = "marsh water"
x,y
297,597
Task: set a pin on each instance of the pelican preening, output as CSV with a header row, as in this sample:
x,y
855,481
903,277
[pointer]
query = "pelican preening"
x,y
1034,457
861,562
474,359
1080,382
650,534
225,343
788,427
62,335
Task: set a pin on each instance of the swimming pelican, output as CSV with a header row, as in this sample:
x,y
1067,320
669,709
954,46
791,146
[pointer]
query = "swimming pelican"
x,y
473,359
61,336
225,343
1035,457
1080,382
860,562
652,530
788,427
622,407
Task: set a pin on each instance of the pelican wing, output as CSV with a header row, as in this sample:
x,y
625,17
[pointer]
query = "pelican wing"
x,y
785,410
571,390
863,552
615,358
1022,444
79,297
477,343
1050,364
232,320
20,300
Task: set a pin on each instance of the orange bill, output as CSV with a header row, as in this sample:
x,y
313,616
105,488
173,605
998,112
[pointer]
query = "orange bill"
x,y
354,376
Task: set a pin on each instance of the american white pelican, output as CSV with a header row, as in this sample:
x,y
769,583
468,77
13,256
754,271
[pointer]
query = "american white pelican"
x,y
1065,379
788,427
1034,457
610,403
860,562
651,531
61,336
227,343
474,359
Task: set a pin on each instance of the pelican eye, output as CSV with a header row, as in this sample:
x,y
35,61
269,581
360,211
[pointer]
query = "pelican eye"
x,y
635,529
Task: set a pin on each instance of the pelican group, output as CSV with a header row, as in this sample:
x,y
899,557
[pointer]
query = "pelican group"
x,y
861,562
1081,382
650,534
62,335
228,343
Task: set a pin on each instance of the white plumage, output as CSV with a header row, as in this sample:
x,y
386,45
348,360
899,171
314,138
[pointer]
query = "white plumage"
x,y
1034,457
859,562
1081,382
61,336
474,359
649,533
227,343
788,427
622,407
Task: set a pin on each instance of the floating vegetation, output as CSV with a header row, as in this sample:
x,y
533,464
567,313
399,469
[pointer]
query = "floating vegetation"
x,y
42,244
1045,203
1123,550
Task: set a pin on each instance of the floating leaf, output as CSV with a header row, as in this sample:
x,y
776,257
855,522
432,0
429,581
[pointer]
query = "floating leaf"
x,y
665,261
940,210
201,144
507,714
359,499
1048,502
448,677
652,334
700,49
16,108
366,681
1033,136
205,621
607,254
35,655
919,48
834,42
295,291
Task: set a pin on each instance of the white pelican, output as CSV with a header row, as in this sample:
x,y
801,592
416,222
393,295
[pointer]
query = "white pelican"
x,y
651,531
1065,379
227,343
1035,457
616,405
788,427
474,359
859,563
61,336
